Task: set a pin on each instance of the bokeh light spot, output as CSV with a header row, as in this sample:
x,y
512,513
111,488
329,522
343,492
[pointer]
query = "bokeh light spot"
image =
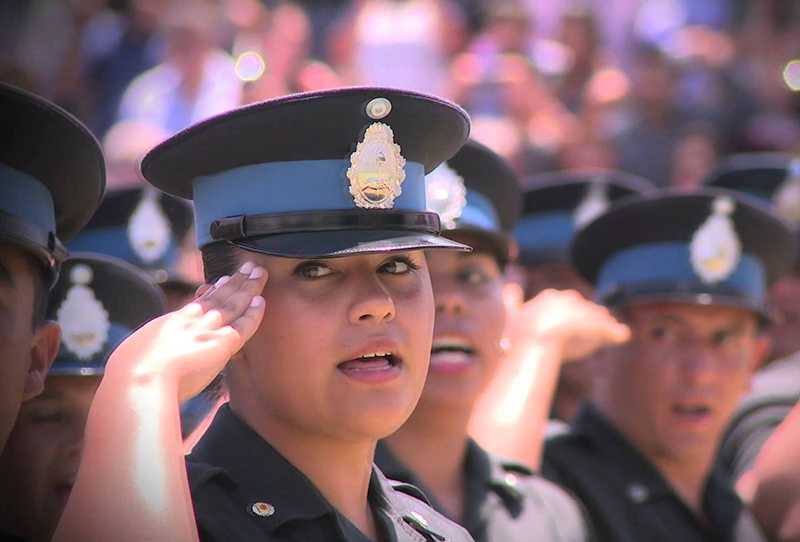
x,y
791,75
250,66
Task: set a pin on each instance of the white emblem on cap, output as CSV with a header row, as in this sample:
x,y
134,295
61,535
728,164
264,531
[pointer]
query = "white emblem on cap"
x,y
446,194
149,232
379,108
83,319
376,169
593,204
787,197
715,248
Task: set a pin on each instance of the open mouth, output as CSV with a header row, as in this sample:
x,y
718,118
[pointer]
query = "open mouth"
x,y
692,412
373,366
451,353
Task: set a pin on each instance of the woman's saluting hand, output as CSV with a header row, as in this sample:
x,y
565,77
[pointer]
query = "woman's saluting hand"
x,y
190,346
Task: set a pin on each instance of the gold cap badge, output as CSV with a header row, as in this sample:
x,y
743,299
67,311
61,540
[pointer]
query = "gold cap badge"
x,y
787,197
379,108
376,169
446,194
82,317
715,249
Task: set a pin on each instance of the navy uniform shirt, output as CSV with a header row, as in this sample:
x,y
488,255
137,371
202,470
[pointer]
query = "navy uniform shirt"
x,y
244,490
775,390
625,496
503,501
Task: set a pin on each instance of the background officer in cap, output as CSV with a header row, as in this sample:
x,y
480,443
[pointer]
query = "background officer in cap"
x,y
477,197
147,229
97,302
775,179
325,192
554,206
688,274
51,179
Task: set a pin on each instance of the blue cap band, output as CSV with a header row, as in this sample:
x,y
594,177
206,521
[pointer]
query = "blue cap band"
x,y
478,213
274,187
113,241
27,198
545,233
68,364
669,264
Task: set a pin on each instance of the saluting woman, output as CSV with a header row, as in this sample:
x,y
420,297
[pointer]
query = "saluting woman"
x,y
312,220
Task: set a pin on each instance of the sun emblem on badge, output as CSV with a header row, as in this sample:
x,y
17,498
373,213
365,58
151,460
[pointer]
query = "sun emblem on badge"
x,y
376,169
446,194
82,317
715,249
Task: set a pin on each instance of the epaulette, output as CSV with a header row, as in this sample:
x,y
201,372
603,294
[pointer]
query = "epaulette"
x,y
410,490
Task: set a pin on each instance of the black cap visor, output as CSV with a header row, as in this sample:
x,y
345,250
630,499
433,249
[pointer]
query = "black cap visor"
x,y
336,244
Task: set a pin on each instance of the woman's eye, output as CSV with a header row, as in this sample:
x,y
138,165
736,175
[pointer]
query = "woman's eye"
x,y
398,266
47,417
313,270
662,333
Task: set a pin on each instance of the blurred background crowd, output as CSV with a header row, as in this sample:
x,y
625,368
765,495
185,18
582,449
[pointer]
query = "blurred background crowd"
x,y
659,88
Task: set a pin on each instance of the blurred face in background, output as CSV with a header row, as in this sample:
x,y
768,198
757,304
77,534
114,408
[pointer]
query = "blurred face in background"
x,y
40,462
674,387
784,298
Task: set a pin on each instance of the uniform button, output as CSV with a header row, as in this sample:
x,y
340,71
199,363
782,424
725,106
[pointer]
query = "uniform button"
x,y
262,509
638,493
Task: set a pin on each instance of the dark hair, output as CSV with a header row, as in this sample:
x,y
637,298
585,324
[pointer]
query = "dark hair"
x,y
220,259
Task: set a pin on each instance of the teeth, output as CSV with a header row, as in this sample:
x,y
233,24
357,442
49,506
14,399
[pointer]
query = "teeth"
x,y
375,355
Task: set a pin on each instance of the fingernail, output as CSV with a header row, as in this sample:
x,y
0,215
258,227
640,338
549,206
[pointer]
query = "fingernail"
x,y
257,273
246,268
257,301
221,281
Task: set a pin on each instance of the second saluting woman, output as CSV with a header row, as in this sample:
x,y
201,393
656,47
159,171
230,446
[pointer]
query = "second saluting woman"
x,y
477,196
311,216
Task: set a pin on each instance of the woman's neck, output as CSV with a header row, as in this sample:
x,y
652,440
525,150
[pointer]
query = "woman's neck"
x,y
433,444
340,469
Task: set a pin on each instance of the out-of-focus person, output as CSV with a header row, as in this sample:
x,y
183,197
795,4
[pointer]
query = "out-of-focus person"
x,y
398,43
97,302
688,273
555,206
654,122
196,80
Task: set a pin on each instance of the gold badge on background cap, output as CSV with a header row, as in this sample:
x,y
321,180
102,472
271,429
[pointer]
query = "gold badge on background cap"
x,y
715,249
149,232
593,204
787,197
82,317
446,194
376,169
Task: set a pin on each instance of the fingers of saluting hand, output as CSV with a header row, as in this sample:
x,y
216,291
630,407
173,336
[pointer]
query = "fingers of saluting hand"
x,y
233,300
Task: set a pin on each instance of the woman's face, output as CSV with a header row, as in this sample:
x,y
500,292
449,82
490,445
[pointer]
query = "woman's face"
x,y
470,316
344,345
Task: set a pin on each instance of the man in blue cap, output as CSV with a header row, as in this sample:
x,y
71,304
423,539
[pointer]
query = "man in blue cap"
x,y
97,302
555,205
689,275
52,177
775,179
